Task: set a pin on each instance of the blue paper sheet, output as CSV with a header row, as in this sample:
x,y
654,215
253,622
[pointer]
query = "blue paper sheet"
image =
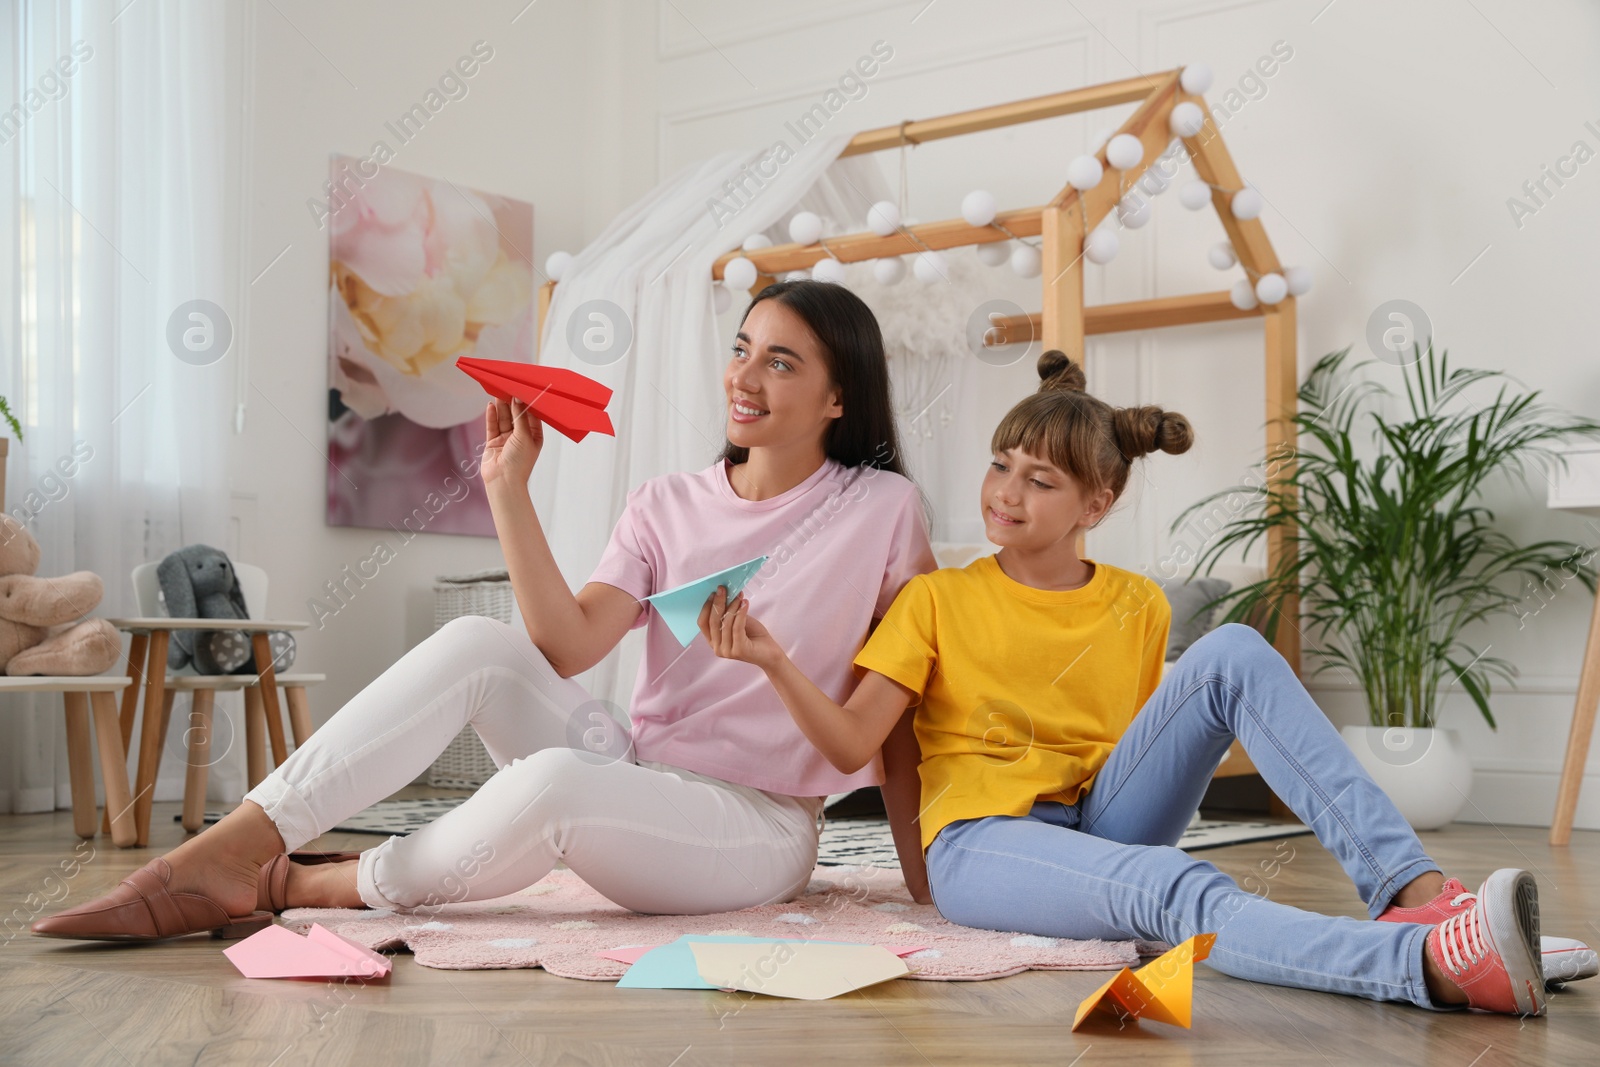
x,y
672,966
680,607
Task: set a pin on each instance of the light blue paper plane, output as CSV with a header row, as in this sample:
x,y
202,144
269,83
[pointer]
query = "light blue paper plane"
x,y
672,966
680,607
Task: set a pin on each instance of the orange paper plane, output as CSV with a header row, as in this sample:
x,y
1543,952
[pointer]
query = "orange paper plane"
x,y
561,398
1162,989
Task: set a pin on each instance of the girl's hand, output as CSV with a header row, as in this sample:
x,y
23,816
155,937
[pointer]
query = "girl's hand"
x,y
734,634
513,437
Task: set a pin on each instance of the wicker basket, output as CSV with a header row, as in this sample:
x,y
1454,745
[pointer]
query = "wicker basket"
x,y
465,763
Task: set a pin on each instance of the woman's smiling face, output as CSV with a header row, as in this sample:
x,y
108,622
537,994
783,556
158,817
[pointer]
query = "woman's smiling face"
x,y
1031,504
778,384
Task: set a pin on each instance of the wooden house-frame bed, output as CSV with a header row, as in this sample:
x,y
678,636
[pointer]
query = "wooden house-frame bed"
x,y
1064,321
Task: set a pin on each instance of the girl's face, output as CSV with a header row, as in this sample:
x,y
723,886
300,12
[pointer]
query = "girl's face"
x,y
1030,504
779,389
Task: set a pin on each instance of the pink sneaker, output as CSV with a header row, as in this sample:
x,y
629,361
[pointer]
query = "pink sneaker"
x,y
1452,900
1563,959
1490,948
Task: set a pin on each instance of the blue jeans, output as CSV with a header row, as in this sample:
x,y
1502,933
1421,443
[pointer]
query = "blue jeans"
x,y
1105,866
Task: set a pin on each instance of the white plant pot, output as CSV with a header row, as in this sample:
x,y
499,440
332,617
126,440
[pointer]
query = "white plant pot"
x,y
1425,772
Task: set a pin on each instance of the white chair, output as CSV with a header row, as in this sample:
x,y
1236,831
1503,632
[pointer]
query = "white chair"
x,y
204,687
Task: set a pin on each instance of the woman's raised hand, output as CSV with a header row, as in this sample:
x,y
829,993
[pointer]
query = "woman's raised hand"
x,y
734,634
513,436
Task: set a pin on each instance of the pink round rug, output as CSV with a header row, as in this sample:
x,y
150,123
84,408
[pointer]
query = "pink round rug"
x,y
561,923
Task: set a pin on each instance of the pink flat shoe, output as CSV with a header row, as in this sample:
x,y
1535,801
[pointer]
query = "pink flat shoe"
x,y
143,908
273,894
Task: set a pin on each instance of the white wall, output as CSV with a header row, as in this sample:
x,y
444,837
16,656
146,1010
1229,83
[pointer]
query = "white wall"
x,y
1386,148
326,78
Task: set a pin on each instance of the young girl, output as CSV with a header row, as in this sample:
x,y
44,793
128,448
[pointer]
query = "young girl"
x,y
1049,807
712,803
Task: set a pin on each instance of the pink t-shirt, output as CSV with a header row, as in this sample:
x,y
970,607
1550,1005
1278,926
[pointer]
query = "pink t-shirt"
x,y
839,546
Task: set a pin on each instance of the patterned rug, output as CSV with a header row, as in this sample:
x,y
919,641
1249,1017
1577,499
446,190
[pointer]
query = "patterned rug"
x,y
857,840
561,923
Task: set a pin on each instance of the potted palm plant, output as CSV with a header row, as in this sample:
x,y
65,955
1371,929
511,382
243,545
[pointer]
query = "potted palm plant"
x,y
1396,555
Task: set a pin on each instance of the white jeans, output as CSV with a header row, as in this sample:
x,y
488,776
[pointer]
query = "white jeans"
x,y
650,837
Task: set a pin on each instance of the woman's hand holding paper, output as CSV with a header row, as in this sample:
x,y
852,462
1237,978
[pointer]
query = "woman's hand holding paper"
x,y
734,634
513,437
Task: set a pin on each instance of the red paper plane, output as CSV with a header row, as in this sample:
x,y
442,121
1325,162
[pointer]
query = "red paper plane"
x,y
563,399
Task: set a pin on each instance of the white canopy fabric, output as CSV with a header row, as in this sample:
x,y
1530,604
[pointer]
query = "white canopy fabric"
x,y
653,262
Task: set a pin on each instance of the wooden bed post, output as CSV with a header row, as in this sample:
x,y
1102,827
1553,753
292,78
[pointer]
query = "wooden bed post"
x,y
1282,375
546,291
1061,321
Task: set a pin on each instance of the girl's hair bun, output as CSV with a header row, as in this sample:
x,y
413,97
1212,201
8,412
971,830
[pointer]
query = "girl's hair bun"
x,y
1142,430
1057,373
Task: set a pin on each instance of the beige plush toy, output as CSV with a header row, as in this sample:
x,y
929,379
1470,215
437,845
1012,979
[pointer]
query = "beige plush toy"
x,y
38,634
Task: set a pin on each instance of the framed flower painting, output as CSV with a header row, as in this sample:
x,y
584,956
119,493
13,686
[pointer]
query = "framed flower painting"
x,y
421,271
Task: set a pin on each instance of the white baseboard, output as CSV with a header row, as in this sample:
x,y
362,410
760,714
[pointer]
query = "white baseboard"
x,y
1526,798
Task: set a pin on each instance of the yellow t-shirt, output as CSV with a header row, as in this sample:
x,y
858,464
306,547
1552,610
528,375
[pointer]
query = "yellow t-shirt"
x,y
1022,691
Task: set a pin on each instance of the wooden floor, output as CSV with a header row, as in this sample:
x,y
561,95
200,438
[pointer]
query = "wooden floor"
x,y
69,1004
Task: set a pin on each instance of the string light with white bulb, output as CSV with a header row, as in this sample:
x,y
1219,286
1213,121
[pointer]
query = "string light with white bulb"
x,y
1133,210
828,269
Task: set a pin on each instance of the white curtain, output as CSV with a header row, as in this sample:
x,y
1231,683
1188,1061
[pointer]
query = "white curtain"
x,y
115,166
653,262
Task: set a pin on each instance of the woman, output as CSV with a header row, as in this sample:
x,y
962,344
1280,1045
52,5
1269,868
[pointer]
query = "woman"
x,y
1057,774
713,802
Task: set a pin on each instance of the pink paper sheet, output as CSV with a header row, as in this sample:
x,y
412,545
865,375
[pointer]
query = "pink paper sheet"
x,y
277,952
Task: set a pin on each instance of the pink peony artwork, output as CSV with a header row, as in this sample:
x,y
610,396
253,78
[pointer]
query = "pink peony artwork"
x,y
421,271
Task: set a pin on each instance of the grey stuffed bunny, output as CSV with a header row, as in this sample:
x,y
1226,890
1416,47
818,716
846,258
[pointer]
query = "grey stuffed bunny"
x,y
198,582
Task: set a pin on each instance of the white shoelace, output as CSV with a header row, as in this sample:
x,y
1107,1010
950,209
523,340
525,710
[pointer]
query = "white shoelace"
x,y
1461,940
